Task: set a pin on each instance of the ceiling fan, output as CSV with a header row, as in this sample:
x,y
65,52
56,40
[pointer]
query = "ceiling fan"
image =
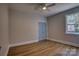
x,y
44,6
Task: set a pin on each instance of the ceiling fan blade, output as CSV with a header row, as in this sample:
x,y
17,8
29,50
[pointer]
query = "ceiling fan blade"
x,y
53,4
42,6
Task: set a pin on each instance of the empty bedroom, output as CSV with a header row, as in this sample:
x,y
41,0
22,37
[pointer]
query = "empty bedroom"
x,y
39,29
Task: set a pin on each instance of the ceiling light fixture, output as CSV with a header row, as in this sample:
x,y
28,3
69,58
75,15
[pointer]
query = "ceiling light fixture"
x,y
44,8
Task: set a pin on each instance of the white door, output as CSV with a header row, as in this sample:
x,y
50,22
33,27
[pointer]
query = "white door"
x,y
42,31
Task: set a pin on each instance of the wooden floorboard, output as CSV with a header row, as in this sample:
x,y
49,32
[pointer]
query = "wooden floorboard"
x,y
44,48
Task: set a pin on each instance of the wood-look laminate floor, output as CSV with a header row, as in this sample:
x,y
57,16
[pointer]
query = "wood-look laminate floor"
x,y
44,48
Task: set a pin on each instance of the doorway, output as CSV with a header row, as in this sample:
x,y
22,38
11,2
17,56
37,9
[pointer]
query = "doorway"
x,y
42,30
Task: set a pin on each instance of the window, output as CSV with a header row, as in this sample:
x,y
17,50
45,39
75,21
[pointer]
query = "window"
x,y
72,23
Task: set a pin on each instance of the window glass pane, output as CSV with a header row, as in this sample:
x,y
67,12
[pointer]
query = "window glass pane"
x,y
70,19
71,28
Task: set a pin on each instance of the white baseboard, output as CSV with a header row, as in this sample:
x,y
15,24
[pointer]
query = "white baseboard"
x,y
7,50
22,43
64,42
18,44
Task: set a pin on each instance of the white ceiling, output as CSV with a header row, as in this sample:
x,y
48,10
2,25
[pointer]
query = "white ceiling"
x,y
30,8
